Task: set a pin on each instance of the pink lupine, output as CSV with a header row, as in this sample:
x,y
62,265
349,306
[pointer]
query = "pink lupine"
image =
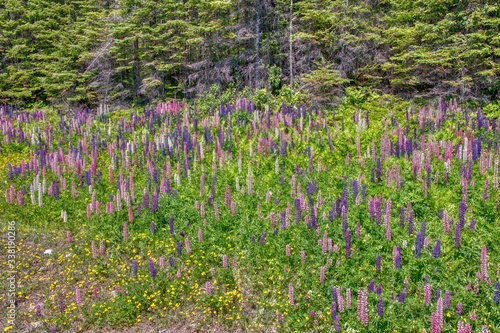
x,y
348,299
233,208
363,307
200,235
287,250
322,274
427,294
101,248
188,245
291,297
439,312
78,296
124,231
303,260
341,303
216,211
68,236
484,264
208,288
435,327
224,261
93,249
324,244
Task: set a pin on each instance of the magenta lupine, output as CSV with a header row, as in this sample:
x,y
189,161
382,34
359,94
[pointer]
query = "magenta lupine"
x,y
427,294
473,316
439,311
291,294
124,231
363,307
435,327
484,264
287,250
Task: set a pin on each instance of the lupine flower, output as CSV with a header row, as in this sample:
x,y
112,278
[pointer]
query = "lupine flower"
x,y
161,262
427,294
101,248
208,288
134,268
78,296
378,263
380,307
459,309
152,227
188,245
436,252
322,274
303,257
93,249
473,316
402,295
333,310
378,291
179,248
348,299
484,264
200,235
439,311
224,261
171,261
171,225
496,294
363,307
124,231
358,230
68,236
371,286
290,294
152,269
287,250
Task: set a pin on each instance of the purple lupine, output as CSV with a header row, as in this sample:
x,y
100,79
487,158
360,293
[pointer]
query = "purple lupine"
x,y
378,291
397,258
459,309
378,263
402,295
461,213
348,243
363,307
447,299
333,310
152,228
179,248
380,307
436,251
152,269
496,294
134,268
472,225
486,192
371,286
402,217
171,261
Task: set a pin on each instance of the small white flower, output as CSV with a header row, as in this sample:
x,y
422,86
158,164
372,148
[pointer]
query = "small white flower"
x,y
48,252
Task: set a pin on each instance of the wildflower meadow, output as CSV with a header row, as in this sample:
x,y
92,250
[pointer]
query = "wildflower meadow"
x,y
241,218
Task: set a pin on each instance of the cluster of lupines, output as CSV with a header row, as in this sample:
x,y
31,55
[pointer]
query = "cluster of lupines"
x,y
174,146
